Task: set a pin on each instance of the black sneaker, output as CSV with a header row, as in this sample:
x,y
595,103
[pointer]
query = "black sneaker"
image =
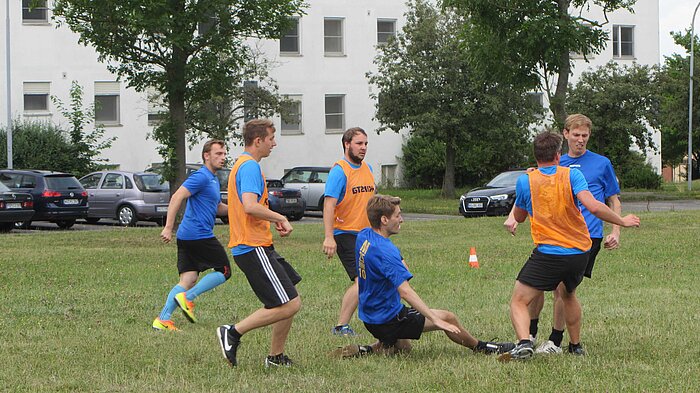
x,y
280,360
576,350
229,345
495,348
521,351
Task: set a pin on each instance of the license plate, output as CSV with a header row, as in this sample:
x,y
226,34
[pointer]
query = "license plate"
x,y
14,205
475,205
291,200
162,209
70,201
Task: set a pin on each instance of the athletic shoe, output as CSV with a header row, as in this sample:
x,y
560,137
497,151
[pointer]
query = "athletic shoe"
x,y
229,345
576,350
280,360
549,347
164,325
495,348
533,339
522,351
344,330
351,351
186,306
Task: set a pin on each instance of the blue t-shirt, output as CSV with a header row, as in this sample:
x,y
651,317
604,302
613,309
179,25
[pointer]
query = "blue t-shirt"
x,y
523,200
384,272
335,186
249,178
602,183
200,213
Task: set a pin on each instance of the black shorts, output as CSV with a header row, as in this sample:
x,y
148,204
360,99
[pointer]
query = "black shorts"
x,y
546,271
200,255
345,247
407,324
270,276
595,248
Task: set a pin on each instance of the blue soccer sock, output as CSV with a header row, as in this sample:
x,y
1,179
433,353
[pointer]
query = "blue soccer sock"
x,y
207,283
170,304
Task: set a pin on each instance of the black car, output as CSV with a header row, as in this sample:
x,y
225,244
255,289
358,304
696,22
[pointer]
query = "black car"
x,y
494,199
285,201
58,197
14,206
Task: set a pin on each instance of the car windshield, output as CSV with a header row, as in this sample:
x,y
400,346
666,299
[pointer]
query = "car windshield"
x,y
151,182
62,183
3,188
223,175
505,179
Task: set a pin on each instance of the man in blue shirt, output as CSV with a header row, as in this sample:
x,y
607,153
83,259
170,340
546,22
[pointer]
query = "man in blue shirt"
x,y
197,247
383,283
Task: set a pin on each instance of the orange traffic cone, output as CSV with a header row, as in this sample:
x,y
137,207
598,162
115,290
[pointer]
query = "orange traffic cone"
x,y
473,262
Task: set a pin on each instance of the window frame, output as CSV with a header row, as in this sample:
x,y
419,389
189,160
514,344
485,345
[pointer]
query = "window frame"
x,y
392,34
617,45
36,89
33,21
341,113
297,98
112,89
297,37
341,37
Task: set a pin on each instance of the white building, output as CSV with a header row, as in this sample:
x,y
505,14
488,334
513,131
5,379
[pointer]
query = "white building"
x,y
322,64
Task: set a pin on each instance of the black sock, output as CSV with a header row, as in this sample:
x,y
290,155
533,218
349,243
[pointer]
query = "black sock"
x,y
572,346
275,357
525,341
480,346
556,336
234,333
533,326
365,349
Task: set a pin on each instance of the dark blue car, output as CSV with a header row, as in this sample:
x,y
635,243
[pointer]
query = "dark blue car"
x,y
285,201
494,199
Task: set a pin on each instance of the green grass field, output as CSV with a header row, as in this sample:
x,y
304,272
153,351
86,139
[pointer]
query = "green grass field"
x,y
77,309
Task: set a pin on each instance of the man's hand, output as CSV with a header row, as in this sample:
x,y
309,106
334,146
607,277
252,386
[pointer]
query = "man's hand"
x,y
284,228
167,235
329,247
630,220
446,326
612,241
511,224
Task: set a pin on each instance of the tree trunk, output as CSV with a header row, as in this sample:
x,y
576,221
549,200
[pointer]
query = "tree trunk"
x,y
448,181
177,86
558,104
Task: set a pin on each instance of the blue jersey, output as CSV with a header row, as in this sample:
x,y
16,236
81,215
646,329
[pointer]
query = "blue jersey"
x,y
248,179
602,183
523,200
380,272
200,213
335,187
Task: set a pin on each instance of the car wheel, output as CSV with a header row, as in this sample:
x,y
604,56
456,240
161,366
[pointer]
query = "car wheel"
x,y
23,224
126,216
224,219
92,220
160,221
65,224
296,217
320,203
6,226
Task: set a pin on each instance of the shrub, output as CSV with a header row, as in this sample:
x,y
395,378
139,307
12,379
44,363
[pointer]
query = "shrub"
x,y
37,145
635,172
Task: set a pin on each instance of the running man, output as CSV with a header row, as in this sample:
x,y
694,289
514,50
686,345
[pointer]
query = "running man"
x,y
197,247
383,283
270,276
349,186
550,196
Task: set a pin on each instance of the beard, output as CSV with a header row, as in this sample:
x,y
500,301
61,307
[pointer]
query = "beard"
x,y
355,159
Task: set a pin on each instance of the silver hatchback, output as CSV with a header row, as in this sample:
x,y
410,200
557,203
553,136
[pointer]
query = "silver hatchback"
x,y
126,196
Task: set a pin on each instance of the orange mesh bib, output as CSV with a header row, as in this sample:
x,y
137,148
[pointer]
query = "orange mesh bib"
x,y
243,228
556,219
351,212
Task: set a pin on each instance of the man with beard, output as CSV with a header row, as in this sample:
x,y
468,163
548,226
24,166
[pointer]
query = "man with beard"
x,y
349,187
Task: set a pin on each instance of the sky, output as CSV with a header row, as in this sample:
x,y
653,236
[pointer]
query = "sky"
x,y
675,15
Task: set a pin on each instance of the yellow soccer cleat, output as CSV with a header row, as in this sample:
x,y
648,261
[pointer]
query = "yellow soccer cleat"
x,y
186,306
164,325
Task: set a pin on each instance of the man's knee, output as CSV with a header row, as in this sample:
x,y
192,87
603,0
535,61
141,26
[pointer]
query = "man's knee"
x,y
290,308
226,271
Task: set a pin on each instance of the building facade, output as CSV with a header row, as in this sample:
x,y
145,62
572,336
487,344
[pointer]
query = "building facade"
x,y
321,64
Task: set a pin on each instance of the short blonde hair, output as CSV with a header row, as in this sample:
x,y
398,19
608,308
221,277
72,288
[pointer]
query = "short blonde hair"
x,y
256,128
577,120
381,205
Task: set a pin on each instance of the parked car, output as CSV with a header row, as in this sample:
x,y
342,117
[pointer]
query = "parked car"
x,y
58,197
126,196
14,206
285,201
311,181
495,198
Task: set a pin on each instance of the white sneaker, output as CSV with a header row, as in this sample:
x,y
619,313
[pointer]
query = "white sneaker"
x,y
533,339
548,348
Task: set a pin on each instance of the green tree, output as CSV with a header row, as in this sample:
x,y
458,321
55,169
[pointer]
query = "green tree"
x,y
38,145
191,51
425,84
529,42
622,102
86,143
673,88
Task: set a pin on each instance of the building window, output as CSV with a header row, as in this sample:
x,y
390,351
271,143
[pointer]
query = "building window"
x,y
289,43
107,103
292,125
157,110
623,41
389,178
537,99
335,113
333,36
36,97
386,28
34,11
